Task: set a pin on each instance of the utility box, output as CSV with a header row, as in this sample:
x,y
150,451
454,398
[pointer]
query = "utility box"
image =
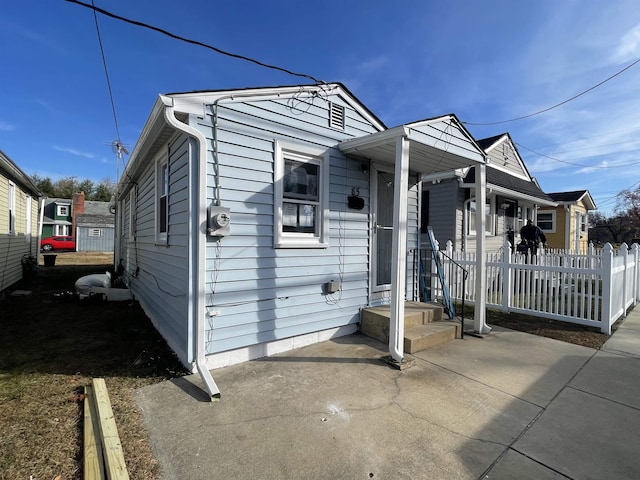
x,y
219,221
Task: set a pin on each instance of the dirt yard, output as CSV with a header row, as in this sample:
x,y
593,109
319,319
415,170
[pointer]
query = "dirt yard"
x,y
51,346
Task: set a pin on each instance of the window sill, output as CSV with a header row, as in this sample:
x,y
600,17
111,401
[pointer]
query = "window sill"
x,y
300,244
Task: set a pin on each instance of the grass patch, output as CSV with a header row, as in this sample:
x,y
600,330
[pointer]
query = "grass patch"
x,y
50,349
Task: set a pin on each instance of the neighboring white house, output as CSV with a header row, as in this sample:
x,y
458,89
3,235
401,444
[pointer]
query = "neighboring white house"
x,y
19,199
255,221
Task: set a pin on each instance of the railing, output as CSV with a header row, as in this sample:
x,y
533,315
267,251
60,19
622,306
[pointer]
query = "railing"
x,y
595,289
430,287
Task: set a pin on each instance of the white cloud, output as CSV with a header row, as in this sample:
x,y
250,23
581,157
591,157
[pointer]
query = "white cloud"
x,y
629,46
73,151
7,127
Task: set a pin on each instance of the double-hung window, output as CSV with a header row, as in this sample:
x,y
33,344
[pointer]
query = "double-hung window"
x,y
162,196
471,217
301,191
546,220
12,208
27,219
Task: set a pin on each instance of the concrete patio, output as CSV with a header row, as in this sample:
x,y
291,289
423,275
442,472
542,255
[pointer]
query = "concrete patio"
x,y
507,406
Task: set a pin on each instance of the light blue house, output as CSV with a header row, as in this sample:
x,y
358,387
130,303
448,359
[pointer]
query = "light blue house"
x,y
255,221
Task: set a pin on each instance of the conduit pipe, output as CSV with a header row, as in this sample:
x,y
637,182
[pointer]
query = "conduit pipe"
x,y
197,242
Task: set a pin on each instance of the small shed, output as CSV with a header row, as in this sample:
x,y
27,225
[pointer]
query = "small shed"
x,y
95,228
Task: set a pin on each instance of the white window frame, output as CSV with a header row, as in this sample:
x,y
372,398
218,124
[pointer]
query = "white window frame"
x,y
132,214
304,154
94,232
27,220
584,223
12,208
62,210
553,220
162,192
489,223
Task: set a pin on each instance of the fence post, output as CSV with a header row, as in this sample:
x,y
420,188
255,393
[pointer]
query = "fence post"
x,y
624,251
507,278
607,273
635,254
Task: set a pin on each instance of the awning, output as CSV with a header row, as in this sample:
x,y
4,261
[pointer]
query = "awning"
x,y
436,145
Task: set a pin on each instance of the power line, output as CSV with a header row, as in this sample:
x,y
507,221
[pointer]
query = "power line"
x,y
193,42
573,163
557,104
106,73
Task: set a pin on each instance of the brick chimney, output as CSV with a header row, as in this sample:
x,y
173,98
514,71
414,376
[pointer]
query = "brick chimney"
x,y
77,208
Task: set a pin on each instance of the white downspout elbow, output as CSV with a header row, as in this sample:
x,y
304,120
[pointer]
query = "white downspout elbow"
x,y
197,221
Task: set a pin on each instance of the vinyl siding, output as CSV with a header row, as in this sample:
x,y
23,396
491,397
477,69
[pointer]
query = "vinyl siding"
x,y
158,274
85,242
443,208
263,294
508,162
14,247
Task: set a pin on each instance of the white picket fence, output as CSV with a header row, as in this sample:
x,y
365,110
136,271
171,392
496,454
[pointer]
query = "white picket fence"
x,y
595,289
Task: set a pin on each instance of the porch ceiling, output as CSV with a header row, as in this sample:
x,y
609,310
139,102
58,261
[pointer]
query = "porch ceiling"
x,y
436,145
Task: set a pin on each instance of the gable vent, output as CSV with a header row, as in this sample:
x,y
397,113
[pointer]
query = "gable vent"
x,y
336,116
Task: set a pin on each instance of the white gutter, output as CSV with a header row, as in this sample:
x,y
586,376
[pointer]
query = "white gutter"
x,y
514,194
197,241
465,222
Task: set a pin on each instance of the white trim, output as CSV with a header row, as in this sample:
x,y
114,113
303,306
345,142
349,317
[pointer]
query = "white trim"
x,y
553,220
302,153
59,210
161,160
196,103
260,350
27,224
12,227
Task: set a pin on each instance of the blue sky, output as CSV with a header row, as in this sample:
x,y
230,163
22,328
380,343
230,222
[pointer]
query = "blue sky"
x,y
485,61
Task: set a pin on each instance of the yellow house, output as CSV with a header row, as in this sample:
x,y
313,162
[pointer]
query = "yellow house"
x,y
19,237
567,225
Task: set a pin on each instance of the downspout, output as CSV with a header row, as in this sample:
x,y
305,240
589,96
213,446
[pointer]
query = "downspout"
x,y
197,221
567,229
465,222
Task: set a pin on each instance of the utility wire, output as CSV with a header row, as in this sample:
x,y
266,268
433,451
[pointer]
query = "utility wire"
x,y
573,163
106,73
193,42
557,104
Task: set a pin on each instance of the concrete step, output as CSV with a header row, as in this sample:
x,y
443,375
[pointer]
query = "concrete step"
x,y
423,325
421,337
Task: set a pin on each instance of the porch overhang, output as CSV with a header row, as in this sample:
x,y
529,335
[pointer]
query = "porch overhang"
x,y
436,145
430,146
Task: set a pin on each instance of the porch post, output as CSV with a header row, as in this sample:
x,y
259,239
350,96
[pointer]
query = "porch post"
x,y
480,310
399,249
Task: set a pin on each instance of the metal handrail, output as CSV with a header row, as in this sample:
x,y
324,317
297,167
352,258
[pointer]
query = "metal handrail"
x,y
452,263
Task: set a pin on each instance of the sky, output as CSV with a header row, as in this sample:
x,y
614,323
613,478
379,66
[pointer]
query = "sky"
x,y
485,61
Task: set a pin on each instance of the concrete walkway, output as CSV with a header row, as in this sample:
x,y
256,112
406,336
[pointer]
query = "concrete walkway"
x,y
509,406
